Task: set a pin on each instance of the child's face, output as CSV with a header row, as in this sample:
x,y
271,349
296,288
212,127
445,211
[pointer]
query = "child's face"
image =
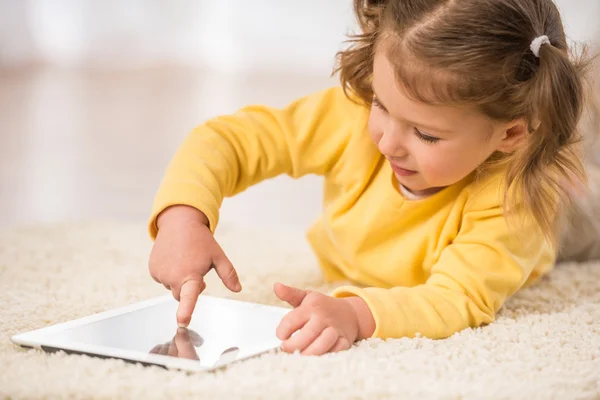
x,y
429,147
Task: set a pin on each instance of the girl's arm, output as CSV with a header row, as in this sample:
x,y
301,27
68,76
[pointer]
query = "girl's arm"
x,y
226,155
487,262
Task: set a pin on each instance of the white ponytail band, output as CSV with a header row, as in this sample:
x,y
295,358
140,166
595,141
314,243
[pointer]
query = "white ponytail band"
x,y
537,43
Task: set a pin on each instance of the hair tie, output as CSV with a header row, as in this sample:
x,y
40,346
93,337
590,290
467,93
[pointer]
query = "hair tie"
x,y
537,43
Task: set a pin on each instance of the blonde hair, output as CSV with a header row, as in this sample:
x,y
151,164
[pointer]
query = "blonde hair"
x,y
477,53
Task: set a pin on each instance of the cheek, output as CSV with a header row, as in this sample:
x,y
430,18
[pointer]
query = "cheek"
x,y
434,163
375,126
441,165
450,164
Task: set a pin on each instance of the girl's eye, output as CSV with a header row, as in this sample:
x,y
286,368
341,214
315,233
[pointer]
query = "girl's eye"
x,y
420,135
377,104
426,138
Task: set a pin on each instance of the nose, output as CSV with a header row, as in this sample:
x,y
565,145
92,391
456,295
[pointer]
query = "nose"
x,y
390,144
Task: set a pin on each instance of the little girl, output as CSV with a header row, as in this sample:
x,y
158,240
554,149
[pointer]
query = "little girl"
x,y
444,153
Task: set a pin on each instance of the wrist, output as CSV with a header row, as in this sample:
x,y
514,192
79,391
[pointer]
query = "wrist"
x,y
364,317
181,213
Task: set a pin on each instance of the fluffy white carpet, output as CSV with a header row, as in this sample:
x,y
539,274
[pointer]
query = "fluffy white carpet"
x,y
545,343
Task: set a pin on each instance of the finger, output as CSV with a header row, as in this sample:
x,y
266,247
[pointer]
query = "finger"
x,y
177,294
226,272
164,349
167,286
156,349
342,344
322,344
188,296
184,344
290,323
292,296
304,337
172,349
152,265
230,350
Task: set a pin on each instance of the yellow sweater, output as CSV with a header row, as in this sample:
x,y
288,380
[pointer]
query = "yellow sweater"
x,y
433,266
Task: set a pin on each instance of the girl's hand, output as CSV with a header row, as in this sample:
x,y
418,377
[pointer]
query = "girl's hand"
x,y
322,323
184,252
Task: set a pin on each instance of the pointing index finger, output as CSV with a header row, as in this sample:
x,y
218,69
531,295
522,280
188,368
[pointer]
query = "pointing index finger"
x,y
188,296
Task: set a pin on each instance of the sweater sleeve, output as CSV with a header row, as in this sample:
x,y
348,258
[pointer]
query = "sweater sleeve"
x,y
226,155
487,262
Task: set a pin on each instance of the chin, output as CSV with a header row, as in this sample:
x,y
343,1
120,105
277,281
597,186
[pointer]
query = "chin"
x,y
419,188
409,182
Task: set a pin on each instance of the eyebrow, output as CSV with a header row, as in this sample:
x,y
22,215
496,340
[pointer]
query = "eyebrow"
x,y
429,128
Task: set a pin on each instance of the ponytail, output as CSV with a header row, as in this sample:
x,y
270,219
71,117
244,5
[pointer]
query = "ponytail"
x,y
549,163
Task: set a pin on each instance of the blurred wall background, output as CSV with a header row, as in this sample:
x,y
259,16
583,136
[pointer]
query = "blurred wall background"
x,y
96,95
236,36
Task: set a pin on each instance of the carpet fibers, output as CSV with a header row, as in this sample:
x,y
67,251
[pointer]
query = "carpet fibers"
x,y
545,343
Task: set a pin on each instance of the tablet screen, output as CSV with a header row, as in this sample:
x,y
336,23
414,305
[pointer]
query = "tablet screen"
x,y
220,332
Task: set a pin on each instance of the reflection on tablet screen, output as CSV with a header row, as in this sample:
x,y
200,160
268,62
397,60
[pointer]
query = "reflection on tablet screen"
x,y
184,344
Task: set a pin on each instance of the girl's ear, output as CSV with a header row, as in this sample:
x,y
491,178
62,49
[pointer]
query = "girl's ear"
x,y
513,136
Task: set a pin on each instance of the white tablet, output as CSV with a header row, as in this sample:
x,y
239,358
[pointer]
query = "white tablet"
x,y
221,331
